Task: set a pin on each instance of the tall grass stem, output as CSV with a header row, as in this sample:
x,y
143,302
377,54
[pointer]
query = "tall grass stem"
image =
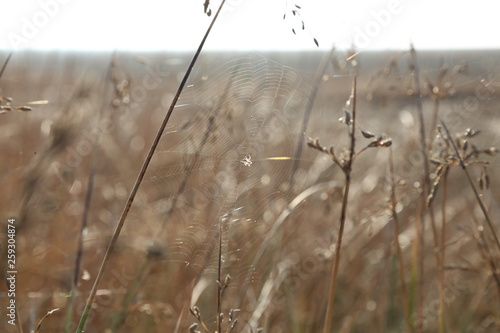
x,y
140,177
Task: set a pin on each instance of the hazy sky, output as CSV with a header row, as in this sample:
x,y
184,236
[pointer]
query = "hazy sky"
x,y
248,24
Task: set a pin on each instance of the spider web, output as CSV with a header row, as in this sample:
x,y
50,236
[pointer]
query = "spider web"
x,y
228,159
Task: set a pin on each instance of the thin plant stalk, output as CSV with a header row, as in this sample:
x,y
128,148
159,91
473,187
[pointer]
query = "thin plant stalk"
x,y
296,202
486,253
471,183
414,284
48,314
4,66
140,177
219,281
435,115
86,209
182,187
327,325
425,186
420,239
128,297
442,256
404,293
307,113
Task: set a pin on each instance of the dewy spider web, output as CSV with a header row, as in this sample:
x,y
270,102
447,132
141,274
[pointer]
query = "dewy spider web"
x,y
227,159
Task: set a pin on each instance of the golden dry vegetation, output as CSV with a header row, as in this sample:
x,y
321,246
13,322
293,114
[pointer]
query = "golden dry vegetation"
x,y
239,191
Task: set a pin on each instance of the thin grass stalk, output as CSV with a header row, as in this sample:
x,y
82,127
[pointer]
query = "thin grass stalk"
x,y
307,113
48,314
485,252
327,325
140,177
442,326
421,271
273,282
320,72
488,258
268,241
420,239
334,274
425,184
436,97
129,296
414,278
206,136
388,303
182,187
6,62
471,183
435,115
404,293
219,281
220,286
439,248
86,210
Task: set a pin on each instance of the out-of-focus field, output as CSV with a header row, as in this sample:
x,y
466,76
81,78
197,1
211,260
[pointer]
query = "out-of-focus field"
x,y
234,160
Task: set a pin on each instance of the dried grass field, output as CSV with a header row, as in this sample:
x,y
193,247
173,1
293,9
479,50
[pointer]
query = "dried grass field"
x,y
289,192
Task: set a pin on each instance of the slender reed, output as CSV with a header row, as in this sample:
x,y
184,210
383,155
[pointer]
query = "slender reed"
x,y
442,252
395,218
120,316
485,252
48,314
189,167
219,282
471,183
347,168
140,177
86,210
307,113
426,185
6,62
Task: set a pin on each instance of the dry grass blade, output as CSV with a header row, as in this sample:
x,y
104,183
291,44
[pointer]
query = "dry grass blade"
x,y
486,254
86,210
140,177
393,202
267,292
295,203
307,113
282,218
426,186
6,62
50,313
471,183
